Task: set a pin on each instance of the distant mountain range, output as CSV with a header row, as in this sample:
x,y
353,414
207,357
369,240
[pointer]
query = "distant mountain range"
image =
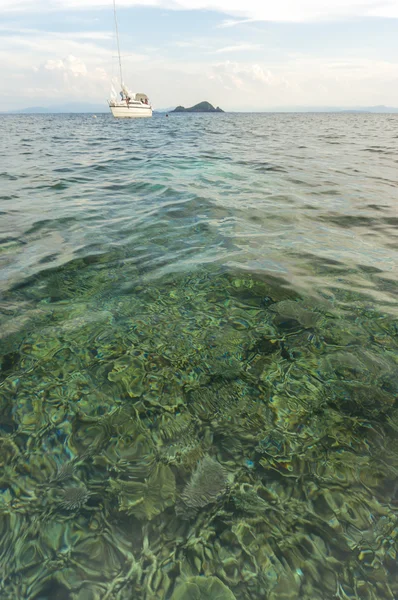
x,y
371,109
337,109
72,107
81,107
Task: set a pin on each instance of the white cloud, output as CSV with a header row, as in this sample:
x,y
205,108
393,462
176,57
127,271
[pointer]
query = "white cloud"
x,y
67,78
264,10
183,44
305,80
70,65
233,22
238,48
48,66
297,10
233,85
70,35
249,77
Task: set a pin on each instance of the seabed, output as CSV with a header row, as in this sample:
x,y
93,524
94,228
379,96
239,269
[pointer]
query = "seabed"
x,y
204,436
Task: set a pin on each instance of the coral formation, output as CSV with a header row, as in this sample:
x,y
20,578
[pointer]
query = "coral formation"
x,y
211,435
73,497
207,484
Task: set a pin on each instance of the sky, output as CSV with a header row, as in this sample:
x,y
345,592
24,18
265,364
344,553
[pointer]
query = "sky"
x,y
246,55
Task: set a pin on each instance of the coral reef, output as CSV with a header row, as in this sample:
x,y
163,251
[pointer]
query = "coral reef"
x,y
207,484
73,497
211,435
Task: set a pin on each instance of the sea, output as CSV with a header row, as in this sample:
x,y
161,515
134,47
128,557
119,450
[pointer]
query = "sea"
x,y
199,357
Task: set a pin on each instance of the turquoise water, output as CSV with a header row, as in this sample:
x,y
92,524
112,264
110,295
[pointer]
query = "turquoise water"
x,y
199,357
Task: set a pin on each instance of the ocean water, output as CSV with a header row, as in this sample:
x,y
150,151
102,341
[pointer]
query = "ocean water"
x,y
199,357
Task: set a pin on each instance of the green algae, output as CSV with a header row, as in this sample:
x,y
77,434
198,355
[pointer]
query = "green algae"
x,y
266,420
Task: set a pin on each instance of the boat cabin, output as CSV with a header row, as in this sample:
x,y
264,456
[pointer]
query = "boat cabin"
x,y
130,99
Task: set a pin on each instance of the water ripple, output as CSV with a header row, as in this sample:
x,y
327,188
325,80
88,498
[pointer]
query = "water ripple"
x,y
253,189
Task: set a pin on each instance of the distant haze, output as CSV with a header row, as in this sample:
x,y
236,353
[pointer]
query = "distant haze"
x,y
259,55
102,108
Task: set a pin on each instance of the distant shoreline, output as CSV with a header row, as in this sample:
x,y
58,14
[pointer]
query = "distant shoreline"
x,y
87,108
392,111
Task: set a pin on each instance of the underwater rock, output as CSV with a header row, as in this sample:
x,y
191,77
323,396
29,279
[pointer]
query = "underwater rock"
x,y
360,400
343,366
208,482
147,500
264,346
225,348
177,440
344,333
8,451
173,427
130,451
264,390
274,445
87,318
64,472
202,588
389,382
225,368
226,338
8,363
291,313
88,434
247,500
14,327
219,398
204,402
130,372
358,365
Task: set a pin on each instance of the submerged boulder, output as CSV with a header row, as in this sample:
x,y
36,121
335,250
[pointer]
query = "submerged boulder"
x,y
202,588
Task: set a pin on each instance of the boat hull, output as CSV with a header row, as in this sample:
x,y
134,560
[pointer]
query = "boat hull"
x,y
131,111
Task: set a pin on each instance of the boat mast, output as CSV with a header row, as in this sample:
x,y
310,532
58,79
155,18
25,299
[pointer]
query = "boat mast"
x,y
118,45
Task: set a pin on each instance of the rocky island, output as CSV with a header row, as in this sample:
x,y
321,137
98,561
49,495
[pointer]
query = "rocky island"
x,y
202,107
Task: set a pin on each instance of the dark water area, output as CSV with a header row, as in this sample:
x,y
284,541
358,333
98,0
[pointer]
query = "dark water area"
x,y
199,357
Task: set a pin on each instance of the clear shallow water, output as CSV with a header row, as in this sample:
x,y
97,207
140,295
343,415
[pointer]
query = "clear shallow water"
x,y
198,350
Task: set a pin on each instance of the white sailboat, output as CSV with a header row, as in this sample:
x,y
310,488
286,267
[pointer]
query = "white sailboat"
x,y
130,105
